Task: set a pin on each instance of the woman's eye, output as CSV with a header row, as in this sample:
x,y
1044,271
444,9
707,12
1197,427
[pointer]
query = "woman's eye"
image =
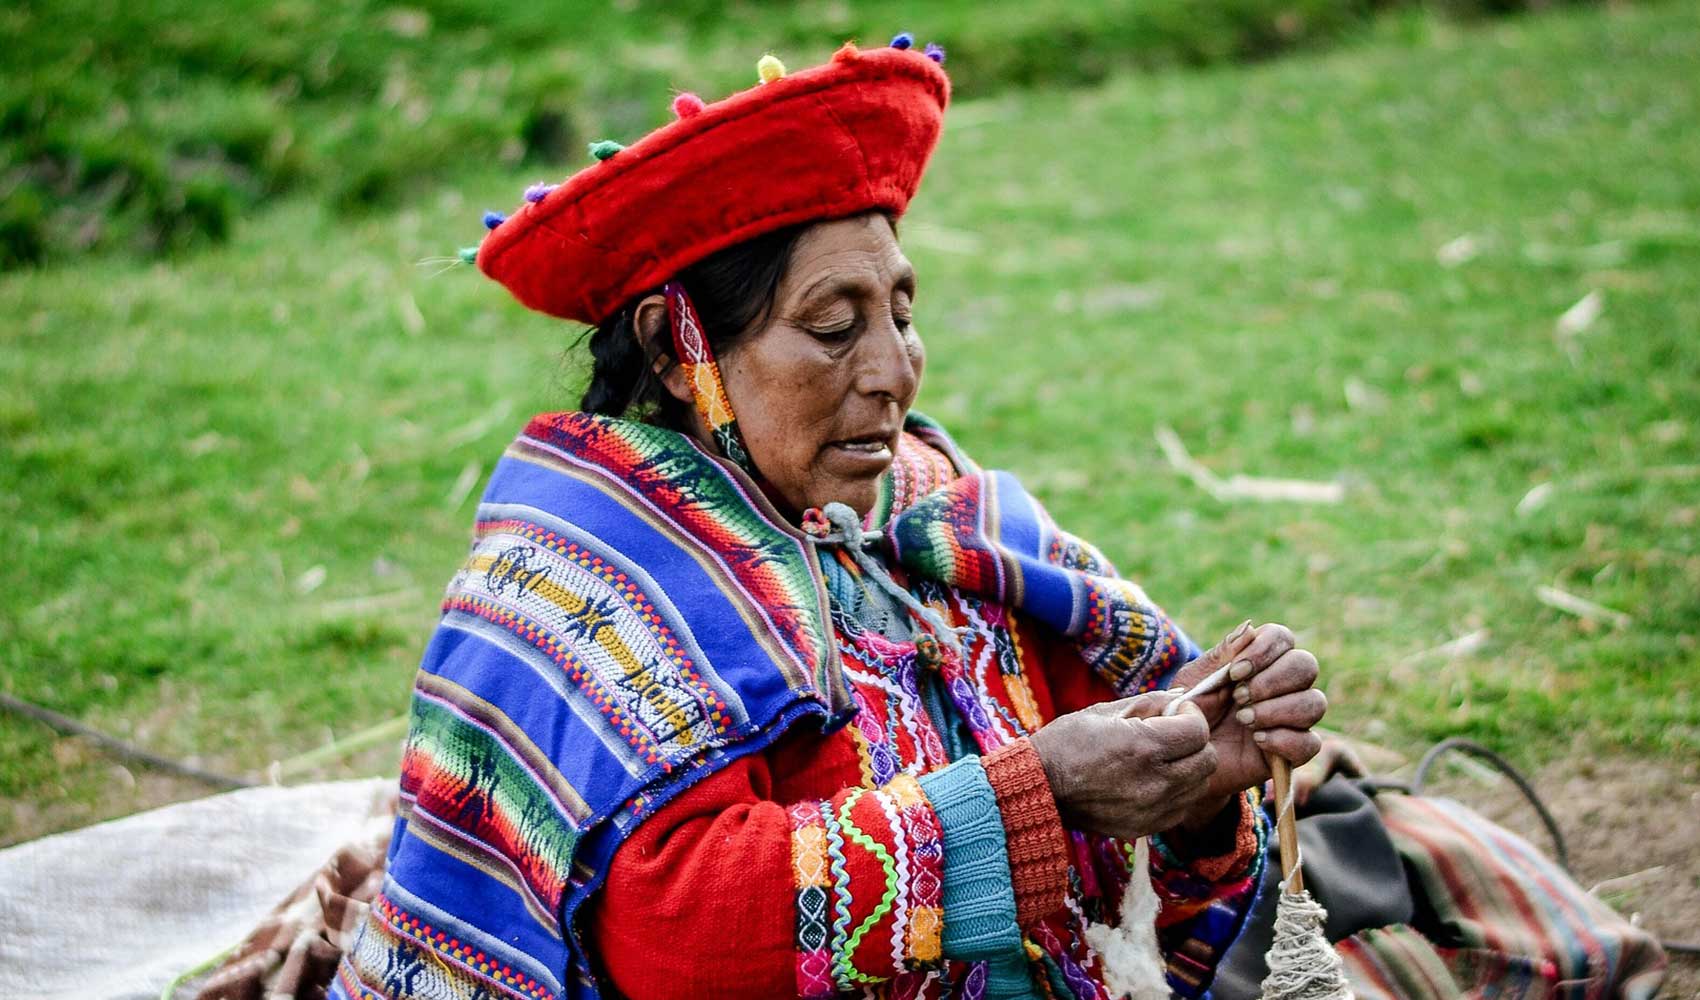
x,y
836,335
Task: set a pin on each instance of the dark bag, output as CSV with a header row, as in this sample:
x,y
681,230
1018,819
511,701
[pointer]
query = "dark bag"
x,y
1428,899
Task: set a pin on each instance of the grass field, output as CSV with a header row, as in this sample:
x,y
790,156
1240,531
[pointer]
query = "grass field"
x,y
233,485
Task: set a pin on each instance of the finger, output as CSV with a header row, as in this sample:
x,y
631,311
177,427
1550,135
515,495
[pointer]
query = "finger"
x,y
1192,773
1266,646
1296,746
1296,670
1175,736
1207,662
1298,710
1145,706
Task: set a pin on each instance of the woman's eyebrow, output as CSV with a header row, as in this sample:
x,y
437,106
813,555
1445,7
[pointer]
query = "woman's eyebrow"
x,y
854,287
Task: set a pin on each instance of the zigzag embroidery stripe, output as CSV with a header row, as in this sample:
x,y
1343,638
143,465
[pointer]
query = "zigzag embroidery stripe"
x,y
887,899
840,894
900,912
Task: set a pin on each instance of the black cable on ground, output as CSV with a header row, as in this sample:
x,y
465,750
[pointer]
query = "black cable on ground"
x,y
118,747
1503,766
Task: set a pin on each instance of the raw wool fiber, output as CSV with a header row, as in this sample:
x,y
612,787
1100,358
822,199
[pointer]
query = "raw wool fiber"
x,y
1133,965
1302,964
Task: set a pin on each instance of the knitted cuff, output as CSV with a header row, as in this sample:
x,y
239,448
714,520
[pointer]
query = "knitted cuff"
x,y
979,903
1033,831
1225,851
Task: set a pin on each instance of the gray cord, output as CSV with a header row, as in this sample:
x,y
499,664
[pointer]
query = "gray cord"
x,y
114,745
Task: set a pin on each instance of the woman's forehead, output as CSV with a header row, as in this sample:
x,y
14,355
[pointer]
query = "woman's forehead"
x,y
859,254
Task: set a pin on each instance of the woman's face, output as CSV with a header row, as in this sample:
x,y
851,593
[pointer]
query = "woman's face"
x,y
821,390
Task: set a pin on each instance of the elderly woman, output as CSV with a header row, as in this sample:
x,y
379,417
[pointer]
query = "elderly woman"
x,y
754,684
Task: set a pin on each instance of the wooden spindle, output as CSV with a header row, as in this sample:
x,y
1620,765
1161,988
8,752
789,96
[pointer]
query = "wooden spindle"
x,y
1286,824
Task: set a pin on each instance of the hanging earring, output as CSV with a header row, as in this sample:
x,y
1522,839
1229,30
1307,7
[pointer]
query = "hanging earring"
x,y
708,393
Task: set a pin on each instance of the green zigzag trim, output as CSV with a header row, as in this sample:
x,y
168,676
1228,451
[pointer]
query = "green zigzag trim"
x,y
886,902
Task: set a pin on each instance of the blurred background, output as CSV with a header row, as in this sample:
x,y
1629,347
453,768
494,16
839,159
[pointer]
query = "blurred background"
x,y
1377,318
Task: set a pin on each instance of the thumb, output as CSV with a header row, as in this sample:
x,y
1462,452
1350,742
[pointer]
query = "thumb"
x,y
1211,659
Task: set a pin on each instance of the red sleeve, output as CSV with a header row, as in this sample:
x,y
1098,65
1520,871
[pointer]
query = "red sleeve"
x,y
726,893
1069,682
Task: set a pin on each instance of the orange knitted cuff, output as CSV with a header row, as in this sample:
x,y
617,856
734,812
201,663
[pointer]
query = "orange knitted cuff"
x,y
1033,831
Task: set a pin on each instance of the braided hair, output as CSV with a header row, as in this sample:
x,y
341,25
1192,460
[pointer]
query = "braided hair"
x,y
733,291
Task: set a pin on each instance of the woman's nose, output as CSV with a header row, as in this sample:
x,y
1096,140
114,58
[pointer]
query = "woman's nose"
x,y
889,363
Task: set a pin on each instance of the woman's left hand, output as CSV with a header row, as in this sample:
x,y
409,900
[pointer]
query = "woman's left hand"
x,y
1269,706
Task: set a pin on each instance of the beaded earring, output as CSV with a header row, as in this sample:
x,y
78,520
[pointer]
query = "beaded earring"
x,y
708,393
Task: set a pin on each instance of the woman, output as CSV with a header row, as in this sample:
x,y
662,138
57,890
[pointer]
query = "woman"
x,y
753,684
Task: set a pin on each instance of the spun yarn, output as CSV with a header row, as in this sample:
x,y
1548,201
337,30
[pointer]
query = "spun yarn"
x,y
1302,964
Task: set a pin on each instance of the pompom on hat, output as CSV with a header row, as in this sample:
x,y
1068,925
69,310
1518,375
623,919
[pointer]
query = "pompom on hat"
x,y
851,136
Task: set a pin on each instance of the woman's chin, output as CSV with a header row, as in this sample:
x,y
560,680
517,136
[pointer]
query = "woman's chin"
x,y
859,493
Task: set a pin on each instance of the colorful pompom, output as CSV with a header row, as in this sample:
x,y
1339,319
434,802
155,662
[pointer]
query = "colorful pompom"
x,y
468,255
769,68
845,53
686,105
935,52
493,219
537,192
903,40
604,148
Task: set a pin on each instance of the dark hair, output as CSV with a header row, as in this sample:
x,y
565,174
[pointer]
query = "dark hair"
x,y
733,290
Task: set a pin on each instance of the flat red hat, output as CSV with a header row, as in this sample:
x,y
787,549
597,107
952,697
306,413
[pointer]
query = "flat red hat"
x,y
853,135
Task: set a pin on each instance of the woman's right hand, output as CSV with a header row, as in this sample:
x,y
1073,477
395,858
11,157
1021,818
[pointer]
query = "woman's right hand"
x,y
1123,769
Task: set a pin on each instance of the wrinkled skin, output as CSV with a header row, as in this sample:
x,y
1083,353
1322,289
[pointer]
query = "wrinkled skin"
x,y
821,390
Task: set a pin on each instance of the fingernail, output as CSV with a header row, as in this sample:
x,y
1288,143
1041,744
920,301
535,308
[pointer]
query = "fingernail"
x,y
1240,670
1234,637
1242,694
1178,689
1260,736
1245,715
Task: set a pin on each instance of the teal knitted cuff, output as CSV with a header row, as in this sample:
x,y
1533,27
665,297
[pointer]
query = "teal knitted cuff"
x,y
979,899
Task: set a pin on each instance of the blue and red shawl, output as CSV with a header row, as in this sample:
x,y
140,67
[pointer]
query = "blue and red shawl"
x,y
634,615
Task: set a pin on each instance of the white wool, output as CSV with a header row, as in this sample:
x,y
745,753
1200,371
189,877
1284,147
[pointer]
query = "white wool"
x,y
1132,963
1302,964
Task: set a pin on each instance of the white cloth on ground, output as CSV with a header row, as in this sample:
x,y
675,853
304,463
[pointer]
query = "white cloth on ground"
x,y
117,910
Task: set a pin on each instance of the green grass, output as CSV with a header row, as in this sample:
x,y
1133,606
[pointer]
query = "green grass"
x,y
152,126
188,448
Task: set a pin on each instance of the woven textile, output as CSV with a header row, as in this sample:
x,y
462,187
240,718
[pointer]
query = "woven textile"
x,y
634,617
1504,920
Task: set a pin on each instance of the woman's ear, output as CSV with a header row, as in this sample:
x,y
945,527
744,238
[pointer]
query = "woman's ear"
x,y
655,336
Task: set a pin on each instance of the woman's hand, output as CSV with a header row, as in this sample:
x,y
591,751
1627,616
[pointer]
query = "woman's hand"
x,y
1269,706
1121,768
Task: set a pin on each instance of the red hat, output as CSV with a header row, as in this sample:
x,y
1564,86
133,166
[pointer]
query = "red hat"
x,y
851,136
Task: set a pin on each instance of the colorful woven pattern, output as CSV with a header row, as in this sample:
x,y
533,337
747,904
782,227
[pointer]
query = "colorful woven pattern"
x,y
1516,926
632,617
867,868
983,534
690,346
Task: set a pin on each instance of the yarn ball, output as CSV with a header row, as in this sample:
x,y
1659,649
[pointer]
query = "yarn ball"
x,y
902,40
537,192
468,255
604,148
769,68
493,219
935,52
686,105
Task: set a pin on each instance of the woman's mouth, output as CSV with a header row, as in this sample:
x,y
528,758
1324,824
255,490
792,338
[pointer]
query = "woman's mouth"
x,y
872,452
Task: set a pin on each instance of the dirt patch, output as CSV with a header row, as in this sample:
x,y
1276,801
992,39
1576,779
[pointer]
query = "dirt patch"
x,y
1633,828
